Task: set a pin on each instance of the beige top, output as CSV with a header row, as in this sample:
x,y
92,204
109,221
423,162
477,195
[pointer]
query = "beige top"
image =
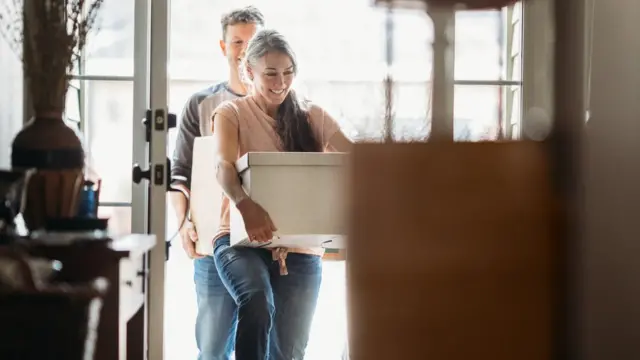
x,y
256,133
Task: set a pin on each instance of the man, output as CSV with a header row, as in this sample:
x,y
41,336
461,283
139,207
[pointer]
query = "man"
x,y
216,319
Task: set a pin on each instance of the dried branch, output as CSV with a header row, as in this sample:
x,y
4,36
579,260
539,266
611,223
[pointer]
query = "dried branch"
x,y
48,36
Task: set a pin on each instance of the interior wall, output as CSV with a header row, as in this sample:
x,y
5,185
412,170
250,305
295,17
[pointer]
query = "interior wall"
x,y
611,288
10,100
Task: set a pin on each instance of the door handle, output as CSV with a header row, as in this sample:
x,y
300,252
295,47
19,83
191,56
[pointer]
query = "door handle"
x,y
172,122
139,174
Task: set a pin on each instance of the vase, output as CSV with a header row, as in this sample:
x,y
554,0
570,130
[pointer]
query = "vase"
x,y
47,143
54,150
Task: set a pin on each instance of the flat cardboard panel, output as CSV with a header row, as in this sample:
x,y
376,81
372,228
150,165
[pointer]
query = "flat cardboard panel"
x,y
452,252
206,194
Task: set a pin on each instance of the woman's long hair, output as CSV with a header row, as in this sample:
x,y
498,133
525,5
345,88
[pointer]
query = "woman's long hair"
x,y
292,118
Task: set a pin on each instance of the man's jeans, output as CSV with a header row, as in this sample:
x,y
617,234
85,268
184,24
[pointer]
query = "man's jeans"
x,y
274,311
216,320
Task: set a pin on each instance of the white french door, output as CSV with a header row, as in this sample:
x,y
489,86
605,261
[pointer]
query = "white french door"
x,y
151,167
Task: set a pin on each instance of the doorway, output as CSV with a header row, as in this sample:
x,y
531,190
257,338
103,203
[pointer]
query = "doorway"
x,y
341,49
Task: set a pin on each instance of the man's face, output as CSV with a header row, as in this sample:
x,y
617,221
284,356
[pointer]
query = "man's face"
x,y
235,42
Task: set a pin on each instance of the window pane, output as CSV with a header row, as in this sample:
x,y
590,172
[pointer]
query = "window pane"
x,y
109,49
10,100
357,106
412,45
119,219
412,108
108,136
330,42
479,111
479,45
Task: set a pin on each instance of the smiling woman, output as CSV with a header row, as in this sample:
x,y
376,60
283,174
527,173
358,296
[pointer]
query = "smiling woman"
x,y
271,65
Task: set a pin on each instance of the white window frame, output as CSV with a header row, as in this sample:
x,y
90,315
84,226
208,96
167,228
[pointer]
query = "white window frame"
x,y
537,62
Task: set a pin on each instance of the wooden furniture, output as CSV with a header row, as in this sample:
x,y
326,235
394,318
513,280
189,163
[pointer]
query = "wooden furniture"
x,y
123,262
466,250
452,252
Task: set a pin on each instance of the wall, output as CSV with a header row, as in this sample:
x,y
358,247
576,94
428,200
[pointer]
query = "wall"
x,y
611,290
10,100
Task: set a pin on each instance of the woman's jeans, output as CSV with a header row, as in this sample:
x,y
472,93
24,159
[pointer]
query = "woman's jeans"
x,y
274,311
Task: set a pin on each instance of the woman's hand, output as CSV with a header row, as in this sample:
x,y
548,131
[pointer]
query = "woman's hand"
x,y
256,220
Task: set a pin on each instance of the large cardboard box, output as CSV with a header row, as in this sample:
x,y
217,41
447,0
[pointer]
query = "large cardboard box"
x,y
304,194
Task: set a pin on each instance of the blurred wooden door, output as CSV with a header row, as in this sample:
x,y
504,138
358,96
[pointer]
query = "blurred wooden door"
x,y
452,252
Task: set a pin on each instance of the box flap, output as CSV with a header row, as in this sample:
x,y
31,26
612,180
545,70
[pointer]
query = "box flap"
x,y
290,159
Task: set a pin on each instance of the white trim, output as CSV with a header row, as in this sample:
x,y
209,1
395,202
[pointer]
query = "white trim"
x,y
487,82
115,204
377,81
140,106
102,78
537,58
139,202
159,45
513,58
442,94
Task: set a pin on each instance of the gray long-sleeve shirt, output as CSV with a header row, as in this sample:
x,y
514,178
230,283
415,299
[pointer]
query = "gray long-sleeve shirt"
x,y
195,121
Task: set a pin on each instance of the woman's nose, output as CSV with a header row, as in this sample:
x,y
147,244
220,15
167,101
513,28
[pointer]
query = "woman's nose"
x,y
280,80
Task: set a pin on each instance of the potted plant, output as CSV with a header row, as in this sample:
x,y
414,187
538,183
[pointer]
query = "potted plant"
x,y
48,36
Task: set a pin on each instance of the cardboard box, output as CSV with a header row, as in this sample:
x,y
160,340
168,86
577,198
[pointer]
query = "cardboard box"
x,y
303,192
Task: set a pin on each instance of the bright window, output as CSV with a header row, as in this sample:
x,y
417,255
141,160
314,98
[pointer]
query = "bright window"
x,y
10,100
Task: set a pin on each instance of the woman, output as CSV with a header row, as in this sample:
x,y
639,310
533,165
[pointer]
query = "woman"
x,y
274,310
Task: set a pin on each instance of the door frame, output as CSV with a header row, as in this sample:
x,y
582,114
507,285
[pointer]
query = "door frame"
x,y
148,202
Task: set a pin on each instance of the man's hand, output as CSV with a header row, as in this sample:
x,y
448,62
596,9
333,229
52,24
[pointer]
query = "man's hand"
x,y
189,236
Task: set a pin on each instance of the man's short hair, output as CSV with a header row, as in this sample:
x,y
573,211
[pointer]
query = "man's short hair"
x,y
245,15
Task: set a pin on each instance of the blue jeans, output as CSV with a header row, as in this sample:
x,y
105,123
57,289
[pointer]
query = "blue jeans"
x,y
274,311
216,319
